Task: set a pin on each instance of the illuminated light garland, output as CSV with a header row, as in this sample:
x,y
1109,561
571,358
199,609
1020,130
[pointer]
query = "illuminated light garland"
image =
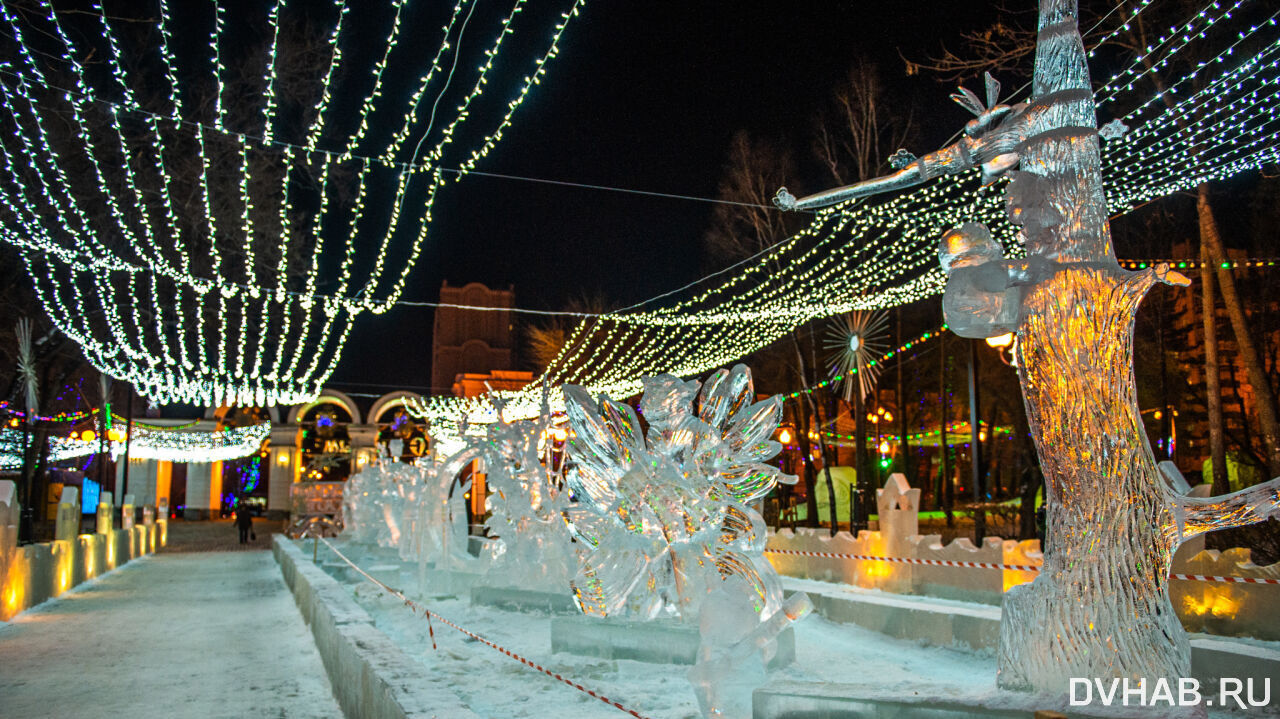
x,y
881,253
953,428
59,417
122,276
1245,264
171,446
149,442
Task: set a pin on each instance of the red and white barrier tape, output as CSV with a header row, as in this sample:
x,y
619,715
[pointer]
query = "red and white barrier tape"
x,y
1212,578
908,560
989,565
430,614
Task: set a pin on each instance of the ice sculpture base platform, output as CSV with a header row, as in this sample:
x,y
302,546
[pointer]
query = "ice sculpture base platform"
x,y
514,599
807,700
448,582
941,623
653,642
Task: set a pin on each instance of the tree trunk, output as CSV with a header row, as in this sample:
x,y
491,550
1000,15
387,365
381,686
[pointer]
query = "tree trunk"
x,y
976,463
904,446
858,505
1212,376
806,463
946,487
1266,399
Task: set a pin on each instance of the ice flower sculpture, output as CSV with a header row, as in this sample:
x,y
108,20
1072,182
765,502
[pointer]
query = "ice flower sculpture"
x,y
664,516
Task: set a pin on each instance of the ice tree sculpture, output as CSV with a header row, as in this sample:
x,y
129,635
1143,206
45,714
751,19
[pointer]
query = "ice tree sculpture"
x,y
1100,606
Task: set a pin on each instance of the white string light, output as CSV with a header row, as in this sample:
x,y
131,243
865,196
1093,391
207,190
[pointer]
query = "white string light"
x,y
199,327
147,442
882,253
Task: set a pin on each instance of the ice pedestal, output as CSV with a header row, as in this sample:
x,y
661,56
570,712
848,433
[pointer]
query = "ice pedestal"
x,y
797,700
451,582
515,599
829,700
656,642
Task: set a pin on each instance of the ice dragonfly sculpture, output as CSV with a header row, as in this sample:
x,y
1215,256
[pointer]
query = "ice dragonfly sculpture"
x,y
1100,606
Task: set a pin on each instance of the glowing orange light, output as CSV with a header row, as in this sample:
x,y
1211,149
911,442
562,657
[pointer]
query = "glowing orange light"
x,y
1001,341
115,434
88,435
784,436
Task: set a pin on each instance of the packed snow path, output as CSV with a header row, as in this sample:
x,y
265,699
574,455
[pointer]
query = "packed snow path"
x,y
213,634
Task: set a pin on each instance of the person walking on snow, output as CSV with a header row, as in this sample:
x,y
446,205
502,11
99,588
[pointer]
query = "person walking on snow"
x,y
244,521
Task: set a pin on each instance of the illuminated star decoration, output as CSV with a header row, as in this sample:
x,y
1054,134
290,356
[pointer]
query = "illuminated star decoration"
x,y
326,461
855,343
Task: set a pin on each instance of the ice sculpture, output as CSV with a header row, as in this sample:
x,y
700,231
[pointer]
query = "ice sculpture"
x,y
360,513
527,501
664,512
379,505
1100,605
734,644
665,518
442,531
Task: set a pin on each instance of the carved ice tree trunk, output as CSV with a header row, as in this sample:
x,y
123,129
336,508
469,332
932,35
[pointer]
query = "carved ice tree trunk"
x,y
1100,606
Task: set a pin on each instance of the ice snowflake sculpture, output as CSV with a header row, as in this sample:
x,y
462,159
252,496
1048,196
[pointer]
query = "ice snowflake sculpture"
x,y
527,504
665,515
1100,605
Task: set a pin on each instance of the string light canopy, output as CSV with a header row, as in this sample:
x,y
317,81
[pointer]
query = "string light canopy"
x,y
170,445
882,252
205,203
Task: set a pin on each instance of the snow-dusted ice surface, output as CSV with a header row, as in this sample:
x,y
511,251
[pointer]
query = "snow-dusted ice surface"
x,y
212,634
498,687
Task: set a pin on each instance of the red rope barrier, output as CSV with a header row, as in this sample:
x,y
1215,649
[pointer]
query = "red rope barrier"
x,y
1009,567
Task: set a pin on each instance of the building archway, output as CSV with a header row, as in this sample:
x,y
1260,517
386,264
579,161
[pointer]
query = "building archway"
x,y
327,396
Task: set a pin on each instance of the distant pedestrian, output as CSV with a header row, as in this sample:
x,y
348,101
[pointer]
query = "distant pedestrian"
x,y
244,521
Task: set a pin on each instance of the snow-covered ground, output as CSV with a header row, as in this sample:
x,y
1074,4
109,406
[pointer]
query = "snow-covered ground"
x,y
496,686
214,634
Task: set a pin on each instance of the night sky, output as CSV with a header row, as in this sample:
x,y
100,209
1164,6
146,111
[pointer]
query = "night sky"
x,y
645,95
